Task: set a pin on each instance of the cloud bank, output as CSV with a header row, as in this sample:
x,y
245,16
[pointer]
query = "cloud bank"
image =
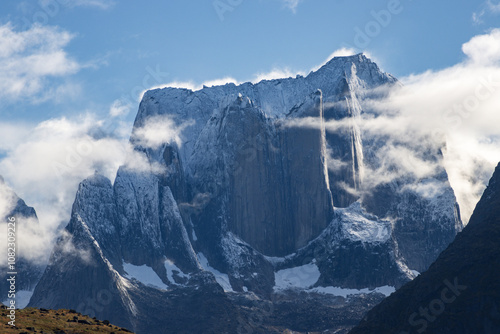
x,y
45,162
459,105
30,59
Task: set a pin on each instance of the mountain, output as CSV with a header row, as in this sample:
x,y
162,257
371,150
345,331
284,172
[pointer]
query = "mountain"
x,y
460,293
249,197
29,269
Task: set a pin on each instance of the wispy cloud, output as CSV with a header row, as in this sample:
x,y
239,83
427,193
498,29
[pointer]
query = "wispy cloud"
x,y
489,7
276,73
477,17
494,7
100,4
159,130
30,59
119,108
195,86
292,4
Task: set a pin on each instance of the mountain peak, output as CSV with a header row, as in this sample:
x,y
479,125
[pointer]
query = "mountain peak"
x,y
96,180
340,61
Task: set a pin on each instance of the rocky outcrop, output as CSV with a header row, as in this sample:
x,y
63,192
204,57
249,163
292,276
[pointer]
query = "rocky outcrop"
x,y
351,249
460,293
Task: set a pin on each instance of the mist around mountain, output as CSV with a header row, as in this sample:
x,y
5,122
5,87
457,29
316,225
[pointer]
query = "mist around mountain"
x,y
460,293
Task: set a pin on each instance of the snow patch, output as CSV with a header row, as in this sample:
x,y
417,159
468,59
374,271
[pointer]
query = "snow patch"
x,y
144,274
358,225
298,277
274,260
222,279
335,291
171,267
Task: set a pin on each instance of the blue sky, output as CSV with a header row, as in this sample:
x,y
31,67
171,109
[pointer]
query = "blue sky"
x,y
117,44
72,73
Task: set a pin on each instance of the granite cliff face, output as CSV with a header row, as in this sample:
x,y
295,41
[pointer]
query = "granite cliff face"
x,y
275,193
251,199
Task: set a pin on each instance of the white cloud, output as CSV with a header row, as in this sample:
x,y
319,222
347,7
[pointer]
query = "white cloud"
x,y
484,49
180,84
477,17
489,7
494,7
12,135
100,4
7,201
292,4
29,59
119,108
44,163
342,52
195,86
276,73
158,130
219,82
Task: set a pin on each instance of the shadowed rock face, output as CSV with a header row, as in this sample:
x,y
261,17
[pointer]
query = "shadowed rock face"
x,y
309,198
460,293
91,286
272,177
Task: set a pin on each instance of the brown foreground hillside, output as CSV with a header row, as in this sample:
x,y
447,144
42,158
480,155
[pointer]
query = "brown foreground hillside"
x,y
32,320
